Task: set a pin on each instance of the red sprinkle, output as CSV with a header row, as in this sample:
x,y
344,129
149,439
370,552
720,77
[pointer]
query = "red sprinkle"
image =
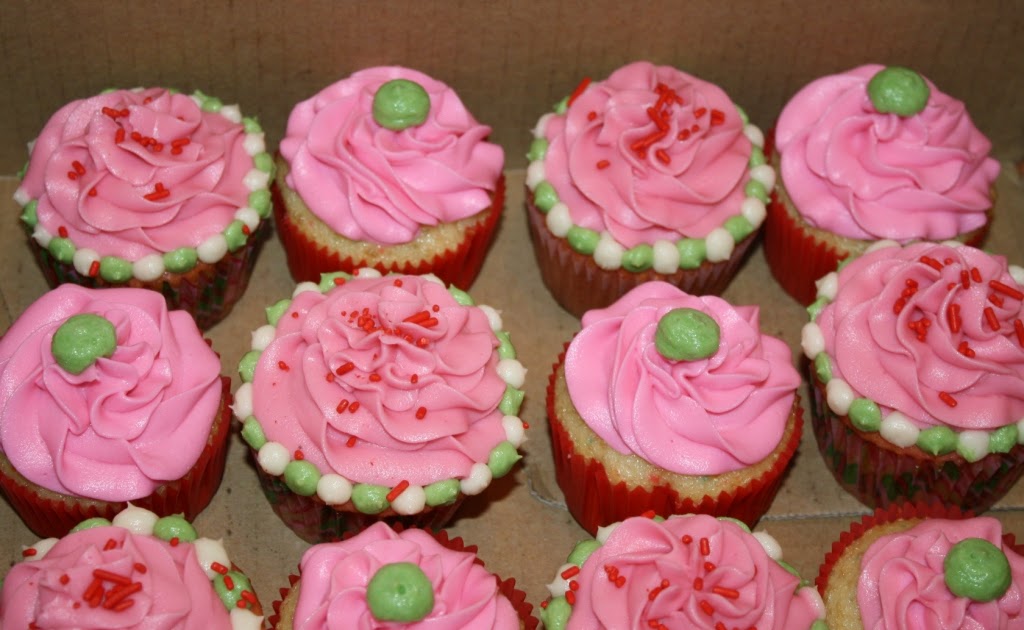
x,y
662,156
591,115
965,350
953,316
1006,290
570,597
174,541
94,269
116,596
729,593
1018,327
946,398
298,455
717,117
995,299
62,231
975,274
603,164
78,167
354,407
64,579
687,539
342,406
110,544
899,305
683,135
649,514
338,281
351,441
700,111
965,279
707,608
397,490
579,89
345,369
92,191
375,378
931,262
229,583
249,596
119,135
698,584
421,413
111,577
990,317
571,572
28,553
219,568
709,566
283,366
415,378
705,546
158,193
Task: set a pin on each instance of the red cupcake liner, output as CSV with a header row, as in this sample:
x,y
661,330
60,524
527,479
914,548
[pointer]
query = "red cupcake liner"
x,y
208,292
307,259
506,587
594,501
53,518
578,284
879,474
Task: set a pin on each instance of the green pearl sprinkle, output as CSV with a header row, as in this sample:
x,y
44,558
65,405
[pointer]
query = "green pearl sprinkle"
x,y
977,569
90,523
400,104
442,492
400,592
231,597
174,526
181,260
370,498
544,196
686,334
582,551
247,366
899,91
81,340
502,458
301,477
252,433
114,269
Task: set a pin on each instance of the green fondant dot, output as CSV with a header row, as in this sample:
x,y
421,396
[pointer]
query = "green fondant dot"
x,y
369,498
639,258
1003,439
864,413
686,334
823,367
211,104
538,149
276,310
937,440
899,91
555,615
259,200
582,240
400,104
505,348
737,522
251,125
263,161
544,196
692,252
62,249
511,400
28,213
561,106
327,280
81,340
301,477
757,157
739,227
181,260
400,591
247,366
582,551
816,306
174,526
442,492
976,569
461,297
230,597
114,269
755,188
234,235
252,433
502,458
90,523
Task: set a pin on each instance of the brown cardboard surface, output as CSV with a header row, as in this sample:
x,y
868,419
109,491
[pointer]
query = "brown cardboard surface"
x,y
519,523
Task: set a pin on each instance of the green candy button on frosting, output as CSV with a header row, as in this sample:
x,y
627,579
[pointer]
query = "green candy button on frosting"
x,y
977,569
401,592
399,104
686,334
81,340
897,90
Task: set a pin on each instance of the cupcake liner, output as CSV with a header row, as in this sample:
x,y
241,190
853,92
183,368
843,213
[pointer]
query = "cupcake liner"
x,y
578,284
307,259
208,292
878,473
594,501
51,515
506,587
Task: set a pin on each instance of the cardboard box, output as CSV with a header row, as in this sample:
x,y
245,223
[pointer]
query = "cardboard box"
x,y
510,61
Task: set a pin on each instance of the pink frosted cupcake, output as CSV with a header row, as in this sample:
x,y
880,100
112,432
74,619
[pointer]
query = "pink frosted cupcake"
x,y
869,154
672,403
387,169
107,397
150,188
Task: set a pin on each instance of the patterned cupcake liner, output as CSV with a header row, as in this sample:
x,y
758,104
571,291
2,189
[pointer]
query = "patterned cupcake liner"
x,y
594,501
879,474
208,292
505,587
308,259
578,284
51,515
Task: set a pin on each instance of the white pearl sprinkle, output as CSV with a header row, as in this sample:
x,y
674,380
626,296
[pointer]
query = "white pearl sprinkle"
x,y
148,268
770,545
493,316
478,479
254,143
242,406
412,501
534,174
755,135
512,372
828,285
262,336
334,489
764,174
719,245
367,272
899,430
273,457
604,532
21,196
207,552
231,112
839,396
882,244
256,179
83,260
136,520
305,287
558,220
515,432
973,445
542,125
213,249
42,548
560,585
41,236
666,256
753,210
608,253
812,341
249,217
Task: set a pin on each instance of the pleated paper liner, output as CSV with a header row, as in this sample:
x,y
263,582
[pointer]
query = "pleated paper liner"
x,y
208,292
578,284
52,515
595,501
879,473
284,608
308,259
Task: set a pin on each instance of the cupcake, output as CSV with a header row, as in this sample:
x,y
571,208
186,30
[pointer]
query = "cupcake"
x,y
672,403
405,579
387,169
137,571
870,154
150,188
651,174
107,397
692,571
374,398
919,566
917,373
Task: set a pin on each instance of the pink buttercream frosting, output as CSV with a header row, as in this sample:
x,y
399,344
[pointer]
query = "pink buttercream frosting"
x,y
126,424
866,175
175,593
701,417
92,179
370,183
652,555
902,584
335,576
878,352
420,397
683,184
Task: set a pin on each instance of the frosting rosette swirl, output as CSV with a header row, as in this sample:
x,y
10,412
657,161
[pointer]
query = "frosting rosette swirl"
x,y
335,577
382,380
131,173
902,583
700,417
739,585
649,153
127,423
174,590
930,331
867,175
368,182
